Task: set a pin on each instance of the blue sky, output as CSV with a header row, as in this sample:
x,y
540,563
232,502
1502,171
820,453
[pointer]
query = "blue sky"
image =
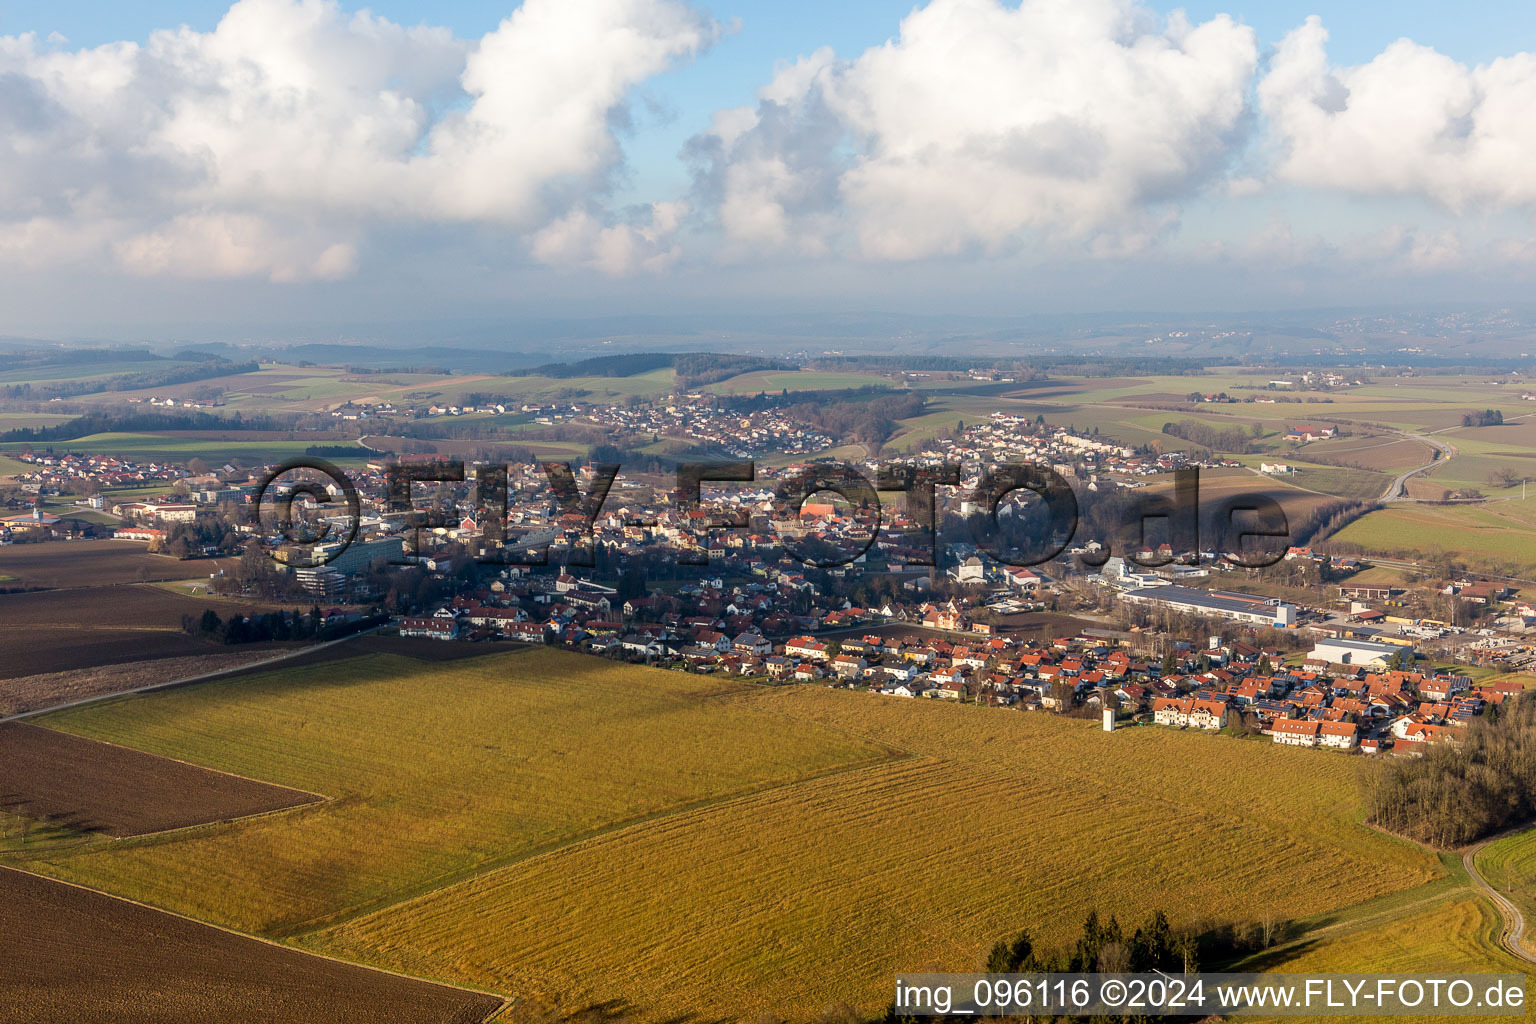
x,y
1274,204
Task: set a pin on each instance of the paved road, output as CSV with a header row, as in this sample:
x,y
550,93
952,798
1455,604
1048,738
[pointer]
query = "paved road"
x,y
1514,922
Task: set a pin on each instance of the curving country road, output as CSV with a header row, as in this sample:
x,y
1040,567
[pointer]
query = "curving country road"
x,y
1394,491
1513,931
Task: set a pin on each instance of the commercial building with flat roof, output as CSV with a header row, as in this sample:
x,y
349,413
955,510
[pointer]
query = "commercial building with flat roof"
x,y
1257,611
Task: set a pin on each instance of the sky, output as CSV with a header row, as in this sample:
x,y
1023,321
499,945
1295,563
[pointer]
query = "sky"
x,y
185,168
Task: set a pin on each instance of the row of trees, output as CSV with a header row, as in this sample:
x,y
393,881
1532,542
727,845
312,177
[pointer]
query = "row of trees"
x,y
1459,792
1107,947
143,422
1236,438
240,629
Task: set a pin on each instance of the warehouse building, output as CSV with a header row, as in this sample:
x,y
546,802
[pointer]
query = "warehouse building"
x,y
1255,611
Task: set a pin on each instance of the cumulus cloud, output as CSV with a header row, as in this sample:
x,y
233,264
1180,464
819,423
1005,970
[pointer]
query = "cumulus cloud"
x,y
581,239
981,125
1410,122
233,245
196,153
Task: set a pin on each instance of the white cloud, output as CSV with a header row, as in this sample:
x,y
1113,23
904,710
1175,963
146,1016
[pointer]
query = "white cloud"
x,y
581,239
984,125
1410,122
200,150
233,245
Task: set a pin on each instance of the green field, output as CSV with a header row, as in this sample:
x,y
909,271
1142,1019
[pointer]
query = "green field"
x,y
722,849
1509,865
171,447
796,380
1500,534
1442,936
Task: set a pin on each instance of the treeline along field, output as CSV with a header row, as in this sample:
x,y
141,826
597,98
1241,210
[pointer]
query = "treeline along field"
x,y
1459,792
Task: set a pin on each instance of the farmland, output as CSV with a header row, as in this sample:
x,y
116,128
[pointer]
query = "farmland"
x,y
1446,936
436,772
73,954
1509,865
176,446
49,689
674,816
1492,536
991,813
94,563
56,631
729,849
795,380
100,787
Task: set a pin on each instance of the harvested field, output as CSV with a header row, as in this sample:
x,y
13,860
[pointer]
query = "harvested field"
x,y
95,563
72,954
34,650
783,902
119,607
1374,453
437,771
48,689
89,627
98,787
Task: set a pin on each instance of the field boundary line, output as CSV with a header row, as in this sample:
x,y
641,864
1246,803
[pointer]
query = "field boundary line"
x,y
172,684
190,764
97,842
506,1000
318,925
1350,925
1511,918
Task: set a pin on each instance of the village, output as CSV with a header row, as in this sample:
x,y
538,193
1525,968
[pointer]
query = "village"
x,y
848,595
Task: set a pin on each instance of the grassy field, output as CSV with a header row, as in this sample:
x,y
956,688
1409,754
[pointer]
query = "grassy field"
x,y
179,448
795,380
17,420
1487,536
1449,936
829,886
1509,865
573,832
1341,481
436,772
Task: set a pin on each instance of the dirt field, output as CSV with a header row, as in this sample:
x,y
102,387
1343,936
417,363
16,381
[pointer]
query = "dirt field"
x,y
48,689
89,627
95,563
73,954
119,607
98,787
26,651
